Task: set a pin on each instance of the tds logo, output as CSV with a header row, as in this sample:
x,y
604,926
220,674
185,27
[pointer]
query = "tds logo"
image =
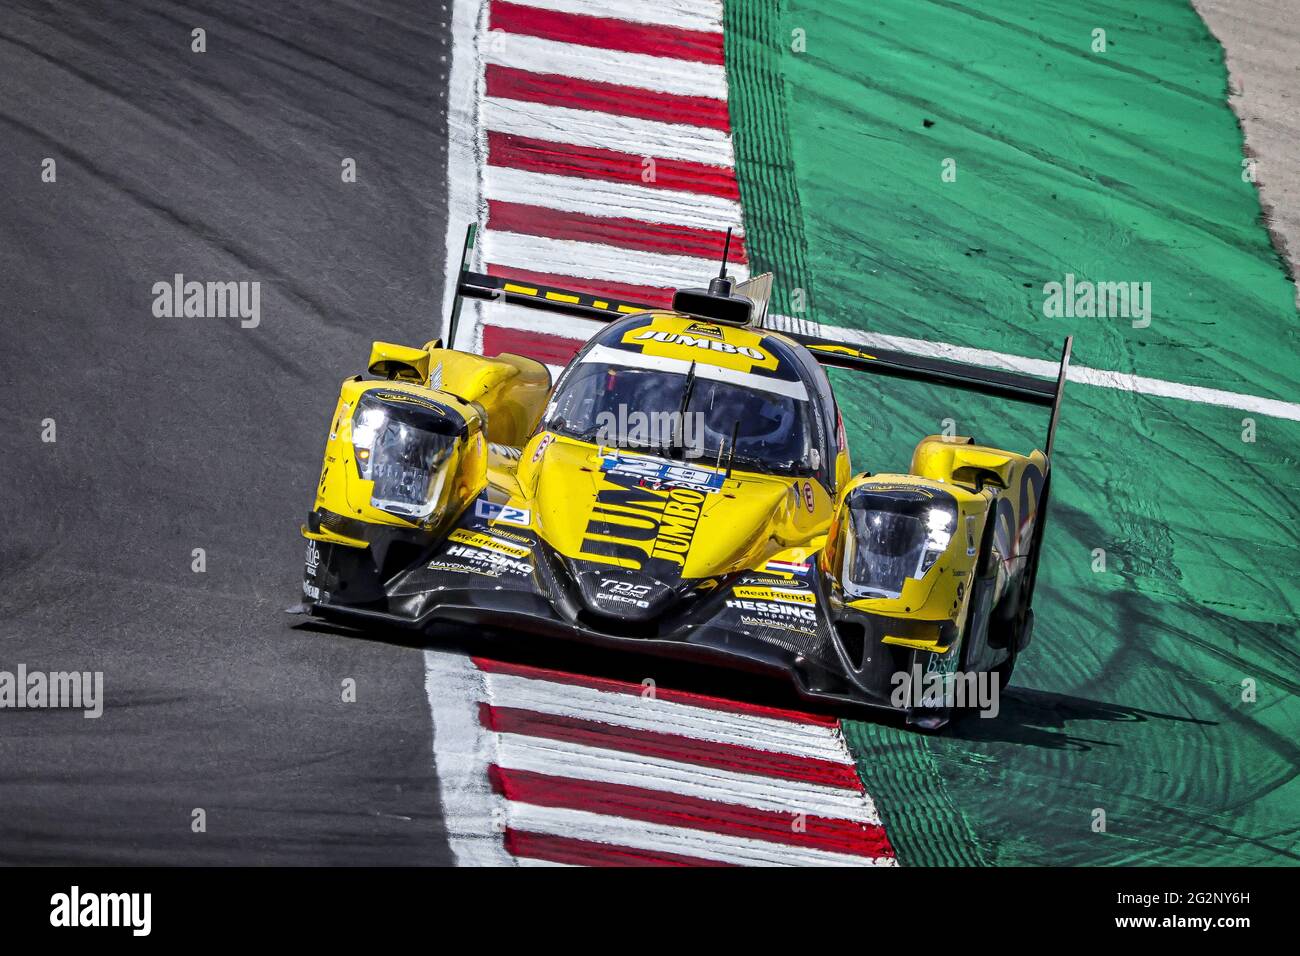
x,y
624,592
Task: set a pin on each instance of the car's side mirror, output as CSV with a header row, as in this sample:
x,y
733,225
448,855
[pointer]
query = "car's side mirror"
x,y
399,362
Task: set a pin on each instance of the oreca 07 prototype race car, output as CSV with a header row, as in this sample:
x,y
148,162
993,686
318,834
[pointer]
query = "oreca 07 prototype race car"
x,y
461,487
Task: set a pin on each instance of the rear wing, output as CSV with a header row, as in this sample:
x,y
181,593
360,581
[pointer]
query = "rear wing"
x,y
998,383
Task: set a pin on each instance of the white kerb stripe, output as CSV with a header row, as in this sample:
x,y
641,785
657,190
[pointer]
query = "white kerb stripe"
x,y
642,137
594,260
602,197
601,765
685,720
462,750
538,55
464,149
702,15
658,838
713,373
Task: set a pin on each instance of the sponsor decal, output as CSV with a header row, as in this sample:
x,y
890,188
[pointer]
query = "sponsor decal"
x,y
313,558
487,542
457,567
542,445
772,624
310,591
623,592
787,595
704,328
631,524
777,610
703,342
514,536
653,473
808,496
406,398
508,514
786,567
489,559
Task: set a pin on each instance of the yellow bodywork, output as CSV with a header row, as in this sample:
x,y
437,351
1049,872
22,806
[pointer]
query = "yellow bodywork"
x,y
579,510
499,399
586,512
986,484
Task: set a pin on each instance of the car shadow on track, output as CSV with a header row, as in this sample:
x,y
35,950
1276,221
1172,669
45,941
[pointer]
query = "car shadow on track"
x,y
1038,718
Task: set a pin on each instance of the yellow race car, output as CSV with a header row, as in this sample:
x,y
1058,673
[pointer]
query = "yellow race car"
x,y
684,488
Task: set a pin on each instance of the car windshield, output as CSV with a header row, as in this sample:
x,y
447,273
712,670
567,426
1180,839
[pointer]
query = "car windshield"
x,y
682,415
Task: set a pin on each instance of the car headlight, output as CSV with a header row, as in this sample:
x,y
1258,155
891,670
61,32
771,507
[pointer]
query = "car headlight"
x,y
893,535
401,445
939,522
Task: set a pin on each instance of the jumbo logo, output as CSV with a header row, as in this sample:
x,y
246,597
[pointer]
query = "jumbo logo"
x,y
697,342
630,524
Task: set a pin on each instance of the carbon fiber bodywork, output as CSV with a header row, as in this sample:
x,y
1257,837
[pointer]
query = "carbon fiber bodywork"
x,y
488,573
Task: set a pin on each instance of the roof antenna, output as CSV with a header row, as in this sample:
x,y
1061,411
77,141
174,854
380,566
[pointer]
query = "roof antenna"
x,y
722,285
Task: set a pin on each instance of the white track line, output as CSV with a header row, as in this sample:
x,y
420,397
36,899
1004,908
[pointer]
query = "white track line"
x,y
582,329
641,137
1101,378
664,74
598,197
702,15
462,750
658,838
686,720
595,260
602,765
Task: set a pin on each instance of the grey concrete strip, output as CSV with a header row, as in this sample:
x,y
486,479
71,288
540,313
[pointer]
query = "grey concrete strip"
x,y
1262,42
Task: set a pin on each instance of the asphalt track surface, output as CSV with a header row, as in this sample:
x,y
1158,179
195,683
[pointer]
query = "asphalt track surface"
x,y
176,434
184,433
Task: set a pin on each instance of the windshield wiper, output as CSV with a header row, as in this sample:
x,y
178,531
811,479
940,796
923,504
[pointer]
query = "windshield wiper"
x,y
679,439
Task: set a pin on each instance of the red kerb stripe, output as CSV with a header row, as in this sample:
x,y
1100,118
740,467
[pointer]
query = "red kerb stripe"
x,y
589,162
695,813
607,33
547,349
619,231
665,746
620,291
511,83
558,849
